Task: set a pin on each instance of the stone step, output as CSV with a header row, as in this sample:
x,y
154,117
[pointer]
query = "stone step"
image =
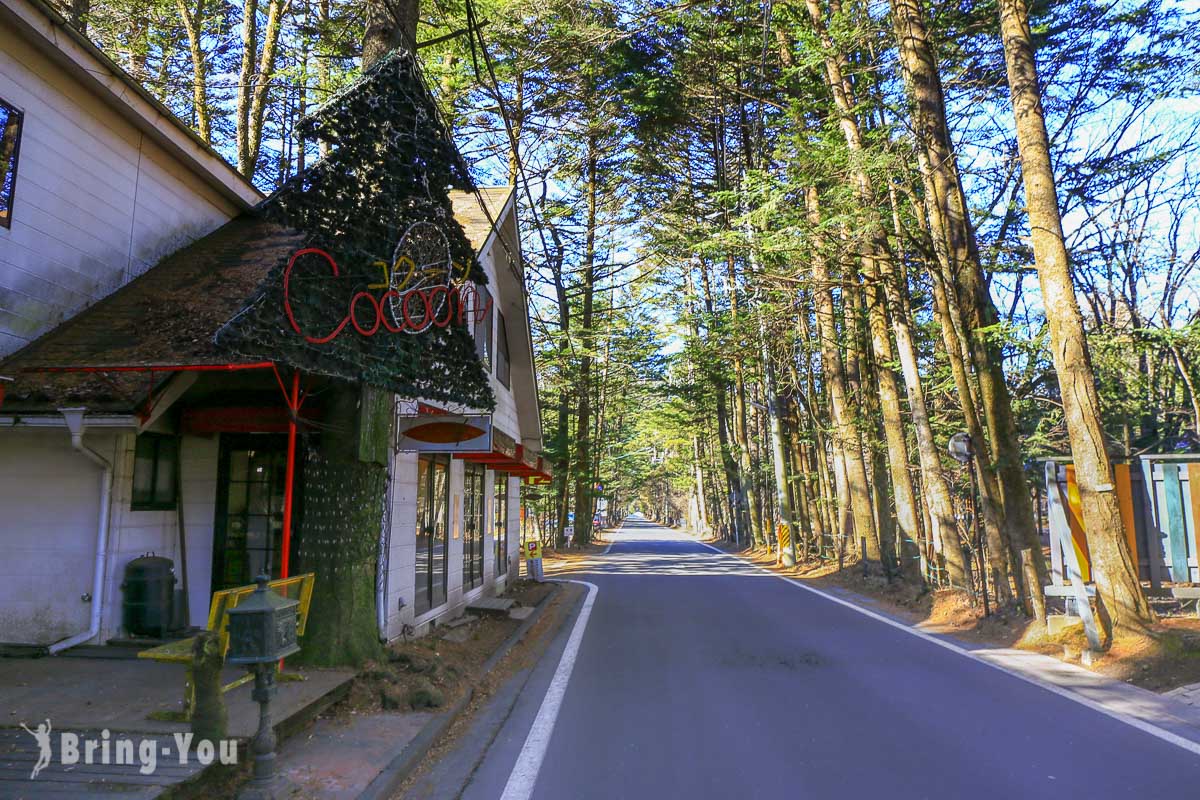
x,y
491,605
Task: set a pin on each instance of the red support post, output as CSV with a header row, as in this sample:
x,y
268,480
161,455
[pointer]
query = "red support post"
x,y
290,473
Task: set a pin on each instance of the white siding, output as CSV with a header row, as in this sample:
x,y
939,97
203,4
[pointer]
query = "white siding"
x,y
401,576
50,496
136,533
505,414
96,202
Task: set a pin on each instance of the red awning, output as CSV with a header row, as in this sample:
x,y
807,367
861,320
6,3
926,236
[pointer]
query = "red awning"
x,y
519,464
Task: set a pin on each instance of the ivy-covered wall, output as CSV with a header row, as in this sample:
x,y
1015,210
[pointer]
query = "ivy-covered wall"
x,y
377,204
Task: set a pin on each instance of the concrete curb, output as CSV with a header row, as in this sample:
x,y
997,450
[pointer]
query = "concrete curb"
x,y
405,762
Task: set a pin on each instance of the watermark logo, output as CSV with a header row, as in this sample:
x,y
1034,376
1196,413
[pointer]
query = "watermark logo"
x,y
42,735
142,752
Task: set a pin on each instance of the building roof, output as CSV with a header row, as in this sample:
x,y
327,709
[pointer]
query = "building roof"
x,y
231,297
167,316
49,32
480,212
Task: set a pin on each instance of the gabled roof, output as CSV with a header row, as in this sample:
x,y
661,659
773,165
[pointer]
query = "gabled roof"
x,y
490,216
480,212
49,32
166,316
226,299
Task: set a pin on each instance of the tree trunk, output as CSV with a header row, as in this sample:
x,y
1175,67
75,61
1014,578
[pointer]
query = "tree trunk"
x,y
955,245
583,472
864,408
741,427
857,492
908,531
245,89
339,538
385,31
266,73
193,24
939,503
1118,587
778,451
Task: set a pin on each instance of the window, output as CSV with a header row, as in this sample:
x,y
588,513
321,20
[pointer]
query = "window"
x,y
472,525
10,148
154,461
483,326
433,513
500,522
503,368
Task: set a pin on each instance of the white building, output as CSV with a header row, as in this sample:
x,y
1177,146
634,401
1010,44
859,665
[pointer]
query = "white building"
x,y
107,180
182,454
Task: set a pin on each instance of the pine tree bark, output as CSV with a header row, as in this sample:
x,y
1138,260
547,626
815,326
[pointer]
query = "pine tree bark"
x,y
263,77
1117,584
971,306
245,89
856,496
779,459
908,528
193,25
583,471
864,406
390,24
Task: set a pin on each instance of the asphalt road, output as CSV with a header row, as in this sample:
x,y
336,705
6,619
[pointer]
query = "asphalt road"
x,y
698,676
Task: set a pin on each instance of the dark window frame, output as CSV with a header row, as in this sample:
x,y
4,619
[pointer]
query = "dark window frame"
x,y
15,160
474,524
500,521
427,598
503,359
154,442
483,343
227,549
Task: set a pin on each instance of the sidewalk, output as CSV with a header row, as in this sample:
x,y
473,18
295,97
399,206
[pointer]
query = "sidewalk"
x,y
88,696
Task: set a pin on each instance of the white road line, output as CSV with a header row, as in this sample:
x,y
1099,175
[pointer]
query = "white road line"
x,y
1142,725
529,763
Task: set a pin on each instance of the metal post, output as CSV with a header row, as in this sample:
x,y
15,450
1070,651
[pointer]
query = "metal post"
x,y
289,474
263,786
978,537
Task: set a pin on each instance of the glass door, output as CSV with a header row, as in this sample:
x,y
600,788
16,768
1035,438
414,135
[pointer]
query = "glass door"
x,y
472,525
249,519
433,513
500,521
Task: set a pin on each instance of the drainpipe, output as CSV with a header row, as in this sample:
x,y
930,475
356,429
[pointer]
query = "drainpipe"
x,y
75,424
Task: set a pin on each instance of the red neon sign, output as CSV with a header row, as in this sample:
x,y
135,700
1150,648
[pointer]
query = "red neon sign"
x,y
409,311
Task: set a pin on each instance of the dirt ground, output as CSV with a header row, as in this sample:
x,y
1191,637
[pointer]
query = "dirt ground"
x,y
1168,656
431,672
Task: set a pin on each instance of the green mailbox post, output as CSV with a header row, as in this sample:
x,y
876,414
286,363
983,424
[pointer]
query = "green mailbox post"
x,y
262,630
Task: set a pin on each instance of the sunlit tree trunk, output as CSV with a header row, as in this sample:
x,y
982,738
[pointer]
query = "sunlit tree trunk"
x,y
857,492
245,88
193,24
389,24
264,76
741,422
1007,501
938,499
1117,581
